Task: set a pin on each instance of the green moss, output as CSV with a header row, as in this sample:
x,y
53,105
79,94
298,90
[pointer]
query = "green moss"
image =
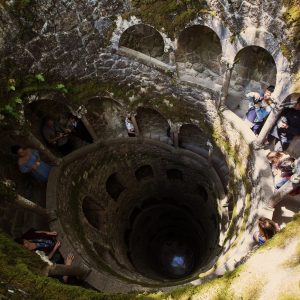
x,y
294,260
21,269
292,19
173,15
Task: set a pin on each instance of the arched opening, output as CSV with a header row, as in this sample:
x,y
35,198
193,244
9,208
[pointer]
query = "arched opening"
x,y
143,172
114,187
151,122
145,39
106,117
254,71
191,134
199,53
92,211
39,113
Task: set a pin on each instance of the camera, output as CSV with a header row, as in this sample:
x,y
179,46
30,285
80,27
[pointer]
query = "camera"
x,y
255,100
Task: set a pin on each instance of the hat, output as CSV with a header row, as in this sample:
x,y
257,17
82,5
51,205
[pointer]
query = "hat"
x,y
283,120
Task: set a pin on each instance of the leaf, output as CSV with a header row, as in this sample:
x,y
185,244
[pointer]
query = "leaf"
x,y
61,87
40,77
11,88
18,100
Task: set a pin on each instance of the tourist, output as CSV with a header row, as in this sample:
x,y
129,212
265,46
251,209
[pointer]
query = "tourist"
x,y
286,128
266,230
43,241
283,172
57,135
293,117
78,130
281,164
282,133
29,162
129,126
259,108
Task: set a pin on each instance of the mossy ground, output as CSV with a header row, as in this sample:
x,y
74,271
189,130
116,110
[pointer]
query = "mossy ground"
x,y
21,269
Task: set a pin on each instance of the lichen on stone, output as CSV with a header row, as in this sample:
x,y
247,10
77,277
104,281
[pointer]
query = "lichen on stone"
x,y
169,16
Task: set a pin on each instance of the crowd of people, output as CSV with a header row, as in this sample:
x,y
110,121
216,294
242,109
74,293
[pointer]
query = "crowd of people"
x,y
286,128
282,163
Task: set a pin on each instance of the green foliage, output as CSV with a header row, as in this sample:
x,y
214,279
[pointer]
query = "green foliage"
x,y
11,98
292,18
61,87
40,77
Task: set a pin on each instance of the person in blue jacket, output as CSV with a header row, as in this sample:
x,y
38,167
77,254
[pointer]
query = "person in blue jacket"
x,y
29,162
260,105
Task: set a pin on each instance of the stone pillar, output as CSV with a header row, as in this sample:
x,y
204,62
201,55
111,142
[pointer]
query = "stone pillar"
x,y
226,81
270,122
80,271
280,194
89,128
174,131
210,151
136,127
41,148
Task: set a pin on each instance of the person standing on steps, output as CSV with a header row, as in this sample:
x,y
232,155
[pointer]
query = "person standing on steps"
x,y
260,105
57,136
266,230
29,162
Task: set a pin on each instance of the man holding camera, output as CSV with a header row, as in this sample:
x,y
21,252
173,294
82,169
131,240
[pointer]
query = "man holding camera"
x,y
260,105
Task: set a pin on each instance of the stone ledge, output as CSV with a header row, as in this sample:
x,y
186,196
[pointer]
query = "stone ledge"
x,y
147,60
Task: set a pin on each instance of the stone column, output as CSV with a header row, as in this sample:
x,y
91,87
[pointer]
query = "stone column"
x,y
136,127
41,148
80,271
280,194
226,81
89,128
174,131
210,151
270,122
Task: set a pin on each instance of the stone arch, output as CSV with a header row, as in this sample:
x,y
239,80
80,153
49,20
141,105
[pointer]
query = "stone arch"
x,y
151,122
37,111
106,117
143,38
199,52
191,134
254,70
254,36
